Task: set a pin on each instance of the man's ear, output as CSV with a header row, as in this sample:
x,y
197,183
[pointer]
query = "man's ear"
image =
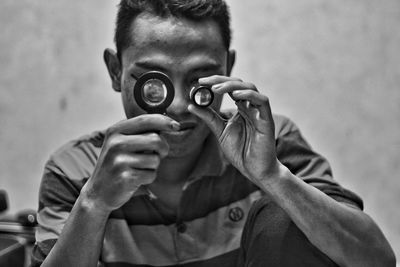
x,y
230,61
114,68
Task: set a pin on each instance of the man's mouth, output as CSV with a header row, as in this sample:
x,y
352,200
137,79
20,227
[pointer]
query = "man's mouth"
x,y
186,127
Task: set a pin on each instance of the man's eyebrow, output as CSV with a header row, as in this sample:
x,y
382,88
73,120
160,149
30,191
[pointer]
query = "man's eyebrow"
x,y
198,67
208,66
149,65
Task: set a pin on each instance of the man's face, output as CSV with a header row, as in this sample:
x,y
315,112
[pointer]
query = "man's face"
x,y
185,51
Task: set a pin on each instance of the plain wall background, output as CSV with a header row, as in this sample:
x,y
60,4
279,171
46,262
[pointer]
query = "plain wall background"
x,y
332,66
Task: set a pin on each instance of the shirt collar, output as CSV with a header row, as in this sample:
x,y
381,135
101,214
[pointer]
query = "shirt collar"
x,y
211,161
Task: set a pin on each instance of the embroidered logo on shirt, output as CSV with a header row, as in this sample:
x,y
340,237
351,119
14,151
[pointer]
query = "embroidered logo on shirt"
x,y
236,214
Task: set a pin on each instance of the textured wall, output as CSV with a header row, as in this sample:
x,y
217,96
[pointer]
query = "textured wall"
x,y
332,66
53,84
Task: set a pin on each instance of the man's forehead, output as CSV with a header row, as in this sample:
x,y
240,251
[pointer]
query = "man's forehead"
x,y
148,29
174,40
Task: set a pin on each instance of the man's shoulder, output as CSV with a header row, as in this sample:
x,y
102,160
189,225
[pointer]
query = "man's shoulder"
x,y
283,125
89,141
77,157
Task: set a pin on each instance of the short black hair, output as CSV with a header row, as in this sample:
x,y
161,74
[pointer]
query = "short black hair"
x,y
196,10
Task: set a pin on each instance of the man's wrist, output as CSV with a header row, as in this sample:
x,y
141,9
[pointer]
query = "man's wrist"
x,y
90,205
271,182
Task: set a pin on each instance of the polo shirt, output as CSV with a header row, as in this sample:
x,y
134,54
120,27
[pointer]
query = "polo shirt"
x,y
207,228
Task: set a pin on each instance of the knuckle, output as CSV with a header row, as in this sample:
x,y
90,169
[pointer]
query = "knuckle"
x,y
236,79
110,131
152,163
143,177
214,119
156,161
252,86
114,142
155,140
127,174
230,83
122,160
164,149
255,94
153,137
215,76
265,98
140,119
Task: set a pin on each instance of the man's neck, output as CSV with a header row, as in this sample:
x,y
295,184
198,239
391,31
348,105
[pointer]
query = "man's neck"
x,y
171,176
175,171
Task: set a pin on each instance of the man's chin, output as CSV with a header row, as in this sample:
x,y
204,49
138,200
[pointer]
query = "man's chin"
x,y
180,144
183,143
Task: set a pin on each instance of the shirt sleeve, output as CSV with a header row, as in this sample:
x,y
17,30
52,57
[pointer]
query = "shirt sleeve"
x,y
296,154
57,196
64,175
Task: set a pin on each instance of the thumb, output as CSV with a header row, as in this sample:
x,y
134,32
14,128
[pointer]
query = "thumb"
x,y
210,117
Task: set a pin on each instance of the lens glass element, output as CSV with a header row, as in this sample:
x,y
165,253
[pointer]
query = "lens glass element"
x,y
203,97
154,92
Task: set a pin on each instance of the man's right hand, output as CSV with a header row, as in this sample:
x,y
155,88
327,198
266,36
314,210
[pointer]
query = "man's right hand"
x,y
130,156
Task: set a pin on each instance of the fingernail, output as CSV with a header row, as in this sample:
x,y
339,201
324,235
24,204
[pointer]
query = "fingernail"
x,y
203,79
175,125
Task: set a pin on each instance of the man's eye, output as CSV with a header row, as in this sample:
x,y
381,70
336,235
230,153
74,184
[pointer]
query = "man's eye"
x,y
193,82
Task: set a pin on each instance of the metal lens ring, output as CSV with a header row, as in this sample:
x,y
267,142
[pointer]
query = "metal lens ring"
x,y
202,96
154,92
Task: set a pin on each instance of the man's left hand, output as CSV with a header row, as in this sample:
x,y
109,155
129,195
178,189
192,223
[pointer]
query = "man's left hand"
x,y
247,139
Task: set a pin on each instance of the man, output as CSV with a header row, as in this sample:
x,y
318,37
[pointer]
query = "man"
x,y
194,187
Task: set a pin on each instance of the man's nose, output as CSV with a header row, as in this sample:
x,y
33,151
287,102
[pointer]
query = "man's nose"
x,y
180,102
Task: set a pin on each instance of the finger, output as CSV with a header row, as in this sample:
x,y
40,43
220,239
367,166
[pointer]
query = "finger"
x,y
210,117
137,177
255,99
247,111
252,114
231,86
152,142
137,161
144,123
215,79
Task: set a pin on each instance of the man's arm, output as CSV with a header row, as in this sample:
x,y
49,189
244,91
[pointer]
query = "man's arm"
x,y
296,154
124,164
348,236
82,237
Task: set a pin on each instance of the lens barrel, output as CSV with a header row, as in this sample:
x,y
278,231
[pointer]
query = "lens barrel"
x,y
202,96
154,92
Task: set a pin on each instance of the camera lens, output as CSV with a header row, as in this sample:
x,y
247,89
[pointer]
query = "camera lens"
x,y
154,92
202,96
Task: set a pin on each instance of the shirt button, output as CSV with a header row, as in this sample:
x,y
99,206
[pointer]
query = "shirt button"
x,y
181,227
